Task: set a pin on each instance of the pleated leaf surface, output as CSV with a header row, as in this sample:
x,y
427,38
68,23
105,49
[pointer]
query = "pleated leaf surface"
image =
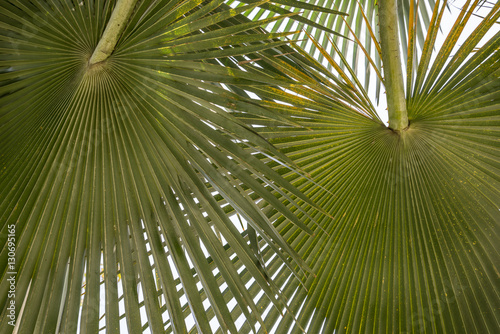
x,y
116,178
410,244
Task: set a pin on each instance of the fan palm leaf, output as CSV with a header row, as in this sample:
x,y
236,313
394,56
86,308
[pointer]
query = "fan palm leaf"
x,y
113,173
413,243
120,176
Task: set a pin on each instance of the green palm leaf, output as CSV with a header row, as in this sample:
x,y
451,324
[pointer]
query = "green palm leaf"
x,y
118,178
412,241
360,26
111,173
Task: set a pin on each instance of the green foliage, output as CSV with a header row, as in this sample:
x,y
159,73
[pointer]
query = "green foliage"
x,y
120,178
109,170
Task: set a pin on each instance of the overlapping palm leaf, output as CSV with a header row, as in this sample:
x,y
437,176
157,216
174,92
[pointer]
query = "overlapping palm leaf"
x,y
360,25
111,173
413,243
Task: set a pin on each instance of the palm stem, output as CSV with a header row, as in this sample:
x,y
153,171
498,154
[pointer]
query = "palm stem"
x,y
116,25
391,57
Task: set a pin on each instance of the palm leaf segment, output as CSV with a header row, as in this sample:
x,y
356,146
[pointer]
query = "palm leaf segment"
x,y
413,243
361,25
109,172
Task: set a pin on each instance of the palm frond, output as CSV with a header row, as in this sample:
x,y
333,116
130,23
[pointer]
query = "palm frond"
x,y
355,34
412,233
111,173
